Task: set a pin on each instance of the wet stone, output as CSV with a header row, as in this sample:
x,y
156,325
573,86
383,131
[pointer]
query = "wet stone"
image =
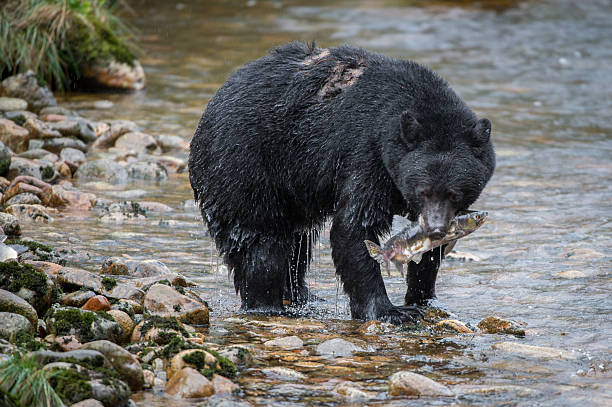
x,y
189,383
19,117
137,142
77,298
453,325
122,361
352,392
88,403
540,352
33,213
87,356
288,343
413,384
171,143
39,154
40,129
26,198
283,373
102,169
497,325
223,401
73,155
66,343
150,171
375,328
224,385
22,166
338,347
10,224
97,303
178,363
56,145
238,355
5,159
14,136
167,302
25,86
126,323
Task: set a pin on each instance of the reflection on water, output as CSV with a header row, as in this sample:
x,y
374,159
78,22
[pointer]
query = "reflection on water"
x,y
540,70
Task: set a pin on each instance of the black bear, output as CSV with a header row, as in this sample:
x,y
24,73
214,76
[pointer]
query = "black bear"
x,y
305,133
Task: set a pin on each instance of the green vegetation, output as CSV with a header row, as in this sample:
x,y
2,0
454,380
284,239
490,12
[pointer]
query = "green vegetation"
x,y
162,323
57,38
70,385
30,244
23,383
68,320
109,283
14,276
223,367
28,342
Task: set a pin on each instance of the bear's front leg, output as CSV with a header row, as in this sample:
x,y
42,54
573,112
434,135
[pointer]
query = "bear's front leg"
x,y
361,276
421,278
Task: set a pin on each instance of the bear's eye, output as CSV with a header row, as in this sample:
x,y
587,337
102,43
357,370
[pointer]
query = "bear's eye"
x,y
424,192
453,197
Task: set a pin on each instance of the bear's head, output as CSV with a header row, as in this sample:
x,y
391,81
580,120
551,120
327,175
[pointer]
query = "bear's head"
x,y
440,166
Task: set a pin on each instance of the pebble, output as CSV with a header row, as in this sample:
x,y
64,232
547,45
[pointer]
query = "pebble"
x,y
287,342
283,373
413,384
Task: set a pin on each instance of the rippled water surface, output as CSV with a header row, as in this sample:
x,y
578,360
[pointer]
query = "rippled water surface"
x,y
540,70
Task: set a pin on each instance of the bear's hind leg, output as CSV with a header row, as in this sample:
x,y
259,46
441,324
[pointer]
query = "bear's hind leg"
x,y
260,270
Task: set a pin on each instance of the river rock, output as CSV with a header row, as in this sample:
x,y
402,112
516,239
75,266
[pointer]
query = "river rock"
x,y
90,357
10,302
66,343
115,75
189,383
10,224
122,361
413,384
77,298
147,170
136,142
167,302
338,347
453,325
97,303
19,116
14,136
22,166
88,403
103,169
56,145
224,385
540,352
73,155
5,159
35,213
223,401
40,129
283,373
497,325
73,277
126,323
352,392
59,196
107,135
26,198
66,127
13,324
238,355
25,86
287,342
39,154
85,325
171,143
7,253
12,104
375,328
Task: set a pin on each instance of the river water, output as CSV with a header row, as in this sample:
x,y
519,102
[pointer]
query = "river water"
x,y
540,70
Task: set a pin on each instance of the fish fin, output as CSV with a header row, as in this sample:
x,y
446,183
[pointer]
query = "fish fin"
x,y
449,247
374,250
417,258
399,223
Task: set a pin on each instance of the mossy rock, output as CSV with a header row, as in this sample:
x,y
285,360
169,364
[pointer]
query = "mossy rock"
x,y
28,283
86,326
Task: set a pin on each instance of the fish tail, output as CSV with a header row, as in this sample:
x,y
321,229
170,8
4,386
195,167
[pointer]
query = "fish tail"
x,y
375,251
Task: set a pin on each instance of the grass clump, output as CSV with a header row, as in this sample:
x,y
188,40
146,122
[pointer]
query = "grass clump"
x,y
109,283
57,38
23,383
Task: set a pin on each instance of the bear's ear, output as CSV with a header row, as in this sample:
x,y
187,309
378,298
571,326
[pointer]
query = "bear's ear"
x,y
482,131
409,129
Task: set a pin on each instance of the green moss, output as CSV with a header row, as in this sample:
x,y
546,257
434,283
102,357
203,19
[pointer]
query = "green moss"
x,y
30,244
96,364
180,289
176,345
47,172
68,320
14,276
71,386
163,323
28,342
177,307
109,283
223,367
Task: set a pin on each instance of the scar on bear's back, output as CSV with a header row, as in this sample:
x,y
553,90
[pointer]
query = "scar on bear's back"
x,y
343,74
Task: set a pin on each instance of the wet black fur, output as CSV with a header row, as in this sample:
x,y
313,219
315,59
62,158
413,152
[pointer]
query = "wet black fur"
x,y
272,159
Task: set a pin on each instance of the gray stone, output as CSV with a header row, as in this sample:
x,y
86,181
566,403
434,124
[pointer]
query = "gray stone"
x,y
55,145
147,171
60,321
77,298
171,143
5,159
13,324
19,117
137,142
11,104
223,401
283,373
122,361
35,213
413,384
25,86
58,110
115,75
14,136
10,302
10,224
103,169
67,128
73,155
88,403
287,342
117,129
39,154
531,351
87,356
23,166
167,302
87,131
40,129
338,347
26,198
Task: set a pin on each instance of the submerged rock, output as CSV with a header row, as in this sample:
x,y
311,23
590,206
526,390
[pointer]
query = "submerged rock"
x,y
34,213
338,347
497,325
413,384
541,352
115,75
147,170
102,169
189,383
352,392
453,325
